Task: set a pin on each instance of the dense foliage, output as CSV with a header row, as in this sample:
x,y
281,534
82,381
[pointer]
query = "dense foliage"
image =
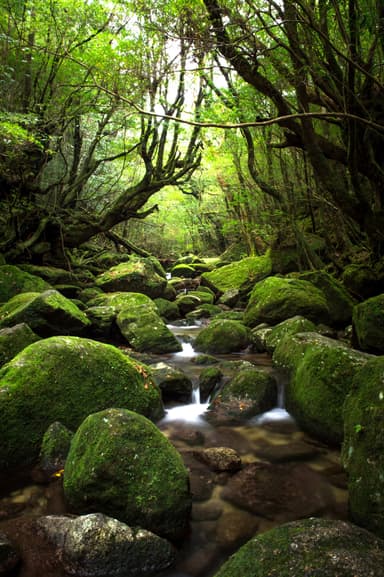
x,y
289,95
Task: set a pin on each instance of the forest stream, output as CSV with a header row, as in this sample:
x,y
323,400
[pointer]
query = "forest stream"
x,y
297,477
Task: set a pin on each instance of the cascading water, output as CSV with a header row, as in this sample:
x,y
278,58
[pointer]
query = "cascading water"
x,y
191,413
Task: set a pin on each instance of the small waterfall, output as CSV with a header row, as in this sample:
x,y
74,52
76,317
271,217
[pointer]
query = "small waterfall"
x,y
196,395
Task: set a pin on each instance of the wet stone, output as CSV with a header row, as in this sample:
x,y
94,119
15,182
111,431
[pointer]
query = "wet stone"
x,y
295,451
235,528
9,558
279,492
219,458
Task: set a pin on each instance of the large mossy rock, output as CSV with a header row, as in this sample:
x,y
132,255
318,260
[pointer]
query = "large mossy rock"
x,y
361,280
290,350
174,384
50,274
96,545
222,336
121,464
363,447
322,371
146,331
137,275
251,392
13,281
241,275
48,313
309,548
65,379
340,303
15,339
368,324
297,324
276,299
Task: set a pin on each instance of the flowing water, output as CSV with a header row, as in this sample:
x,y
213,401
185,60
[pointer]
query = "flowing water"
x,y
219,525
303,477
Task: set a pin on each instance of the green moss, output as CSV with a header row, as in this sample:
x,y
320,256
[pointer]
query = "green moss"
x,y
361,280
242,274
276,299
64,379
318,387
183,271
13,281
290,350
368,324
47,313
55,447
340,303
297,324
308,548
222,336
136,275
122,465
146,331
167,309
363,447
15,339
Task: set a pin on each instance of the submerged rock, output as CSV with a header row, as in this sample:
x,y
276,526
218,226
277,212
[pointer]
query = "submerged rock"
x,y
120,464
65,379
312,547
279,492
96,545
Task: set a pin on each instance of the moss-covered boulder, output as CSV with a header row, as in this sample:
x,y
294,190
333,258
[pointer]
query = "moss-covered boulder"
x,y
167,309
309,548
361,280
339,301
15,339
363,447
102,319
204,311
50,274
183,270
47,313
65,379
317,389
187,303
368,324
290,350
54,448
222,336
123,300
276,299
241,275
251,392
297,324
13,281
209,379
259,336
174,384
146,331
120,464
137,275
